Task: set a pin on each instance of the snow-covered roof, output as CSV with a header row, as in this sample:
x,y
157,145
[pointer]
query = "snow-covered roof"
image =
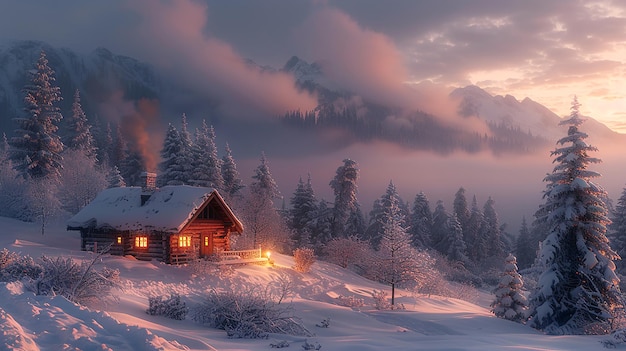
x,y
168,209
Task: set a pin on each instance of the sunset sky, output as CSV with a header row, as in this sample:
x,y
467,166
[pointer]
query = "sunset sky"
x,y
546,50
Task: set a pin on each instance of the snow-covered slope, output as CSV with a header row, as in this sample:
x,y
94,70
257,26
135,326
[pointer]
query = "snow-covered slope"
x,y
31,322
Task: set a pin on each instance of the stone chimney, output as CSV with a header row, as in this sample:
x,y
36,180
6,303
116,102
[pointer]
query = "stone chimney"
x,y
148,185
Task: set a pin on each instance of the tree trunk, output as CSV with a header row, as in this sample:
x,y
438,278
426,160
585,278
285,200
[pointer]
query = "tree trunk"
x,y
393,294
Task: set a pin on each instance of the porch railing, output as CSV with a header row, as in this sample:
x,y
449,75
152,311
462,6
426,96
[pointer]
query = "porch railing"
x,y
240,254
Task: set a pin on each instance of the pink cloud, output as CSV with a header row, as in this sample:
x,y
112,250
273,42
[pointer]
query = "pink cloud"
x,y
171,36
369,64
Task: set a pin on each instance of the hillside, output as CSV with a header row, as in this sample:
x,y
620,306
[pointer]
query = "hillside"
x,y
31,322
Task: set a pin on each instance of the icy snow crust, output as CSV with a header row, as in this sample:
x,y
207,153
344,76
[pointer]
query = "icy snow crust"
x,y
168,209
29,322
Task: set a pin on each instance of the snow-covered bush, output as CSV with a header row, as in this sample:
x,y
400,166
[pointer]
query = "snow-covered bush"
x,y
618,337
248,313
171,307
350,301
79,282
510,303
311,346
381,301
303,259
325,323
279,344
346,252
14,267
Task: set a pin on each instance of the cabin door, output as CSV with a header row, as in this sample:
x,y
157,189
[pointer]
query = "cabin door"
x,y
206,245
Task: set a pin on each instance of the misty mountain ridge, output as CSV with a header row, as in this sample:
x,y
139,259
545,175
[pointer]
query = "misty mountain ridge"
x,y
103,76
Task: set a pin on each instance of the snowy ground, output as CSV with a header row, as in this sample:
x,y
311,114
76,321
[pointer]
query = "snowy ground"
x,y
30,322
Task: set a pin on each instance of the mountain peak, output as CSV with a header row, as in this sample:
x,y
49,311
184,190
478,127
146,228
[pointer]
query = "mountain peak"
x,y
302,70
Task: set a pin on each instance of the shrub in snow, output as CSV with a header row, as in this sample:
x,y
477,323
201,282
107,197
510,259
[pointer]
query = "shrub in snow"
x,y
79,282
325,323
171,307
346,251
279,344
381,302
618,337
303,259
311,346
510,303
249,313
14,267
350,301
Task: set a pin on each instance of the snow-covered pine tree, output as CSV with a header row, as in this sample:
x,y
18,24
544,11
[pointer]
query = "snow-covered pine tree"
x,y
171,168
397,262
457,249
380,214
119,151
303,213
510,303
470,233
421,222
232,182
187,157
132,167
617,232
439,231
207,165
459,207
79,135
489,245
106,148
346,205
322,233
578,293
36,148
264,225
115,179
355,226
525,247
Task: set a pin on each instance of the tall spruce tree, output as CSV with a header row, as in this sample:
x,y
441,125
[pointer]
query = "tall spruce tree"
x,y
525,247
397,262
36,148
232,182
172,168
79,136
303,213
207,167
578,293
421,222
459,207
490,246
440,228
263,220
380,214
470,233
457,249
346,208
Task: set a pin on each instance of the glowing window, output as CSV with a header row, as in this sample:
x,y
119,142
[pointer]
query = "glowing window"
x,y
119,239
206,241
184,241
141,241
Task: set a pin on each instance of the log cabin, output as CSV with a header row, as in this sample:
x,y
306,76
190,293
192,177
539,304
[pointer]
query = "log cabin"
x,y
172,224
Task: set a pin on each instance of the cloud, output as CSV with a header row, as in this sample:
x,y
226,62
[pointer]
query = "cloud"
x,y
369,64
170,35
